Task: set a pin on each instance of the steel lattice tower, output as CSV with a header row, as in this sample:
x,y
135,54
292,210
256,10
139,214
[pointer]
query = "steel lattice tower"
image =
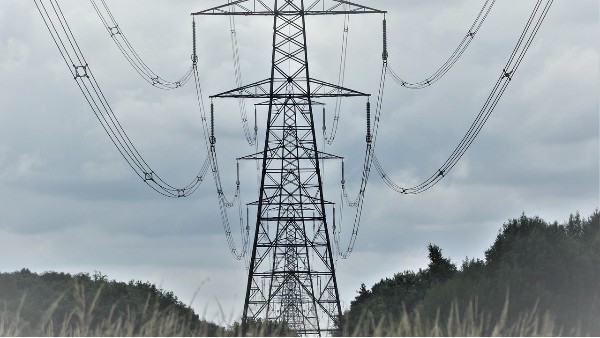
x,y
292,275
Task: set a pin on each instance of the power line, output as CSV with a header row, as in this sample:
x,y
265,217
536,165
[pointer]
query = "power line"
x,y
291,180
371,139
520,50
250,138
81,71
224,203
341,77
458,52
133,58
291,276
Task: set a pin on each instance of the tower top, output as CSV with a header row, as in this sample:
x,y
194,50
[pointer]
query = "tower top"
x,y
318,7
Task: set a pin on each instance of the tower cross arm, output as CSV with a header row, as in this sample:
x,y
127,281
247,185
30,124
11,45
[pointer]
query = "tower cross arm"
x,y
261,89
317,7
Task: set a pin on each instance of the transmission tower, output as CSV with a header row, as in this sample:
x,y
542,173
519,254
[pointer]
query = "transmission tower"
x,y
291,277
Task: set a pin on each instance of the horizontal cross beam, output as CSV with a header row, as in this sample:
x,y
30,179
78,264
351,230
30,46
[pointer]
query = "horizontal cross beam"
x,y
318,7
262,89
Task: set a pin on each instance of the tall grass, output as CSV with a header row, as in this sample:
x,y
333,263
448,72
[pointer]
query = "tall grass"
x,y
470,322
167,322
78,321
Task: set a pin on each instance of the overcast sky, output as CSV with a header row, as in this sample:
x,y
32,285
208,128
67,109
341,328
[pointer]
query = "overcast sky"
x,y
69,202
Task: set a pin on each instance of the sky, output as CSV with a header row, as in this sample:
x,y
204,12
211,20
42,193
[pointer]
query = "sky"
x,y
70,203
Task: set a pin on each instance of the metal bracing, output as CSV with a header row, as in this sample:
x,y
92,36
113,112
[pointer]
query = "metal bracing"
x,y
291,276
314,7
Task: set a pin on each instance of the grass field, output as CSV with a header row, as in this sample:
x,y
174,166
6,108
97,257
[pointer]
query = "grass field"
x,y
469,322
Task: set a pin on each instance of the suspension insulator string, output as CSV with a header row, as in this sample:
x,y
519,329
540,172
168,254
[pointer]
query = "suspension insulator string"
x,y
324,125
238,174
368,122
385,54
334,228
213,140
255,125
194,55
343,175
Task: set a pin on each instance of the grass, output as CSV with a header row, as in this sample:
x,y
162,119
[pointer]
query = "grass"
x,y
467,323
78,322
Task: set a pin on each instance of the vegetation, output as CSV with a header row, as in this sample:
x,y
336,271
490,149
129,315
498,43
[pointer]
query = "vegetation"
x,y
60,304
55,303
537,278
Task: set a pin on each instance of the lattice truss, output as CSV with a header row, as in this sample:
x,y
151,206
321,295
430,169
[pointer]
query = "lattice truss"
x,y
291,270
292,275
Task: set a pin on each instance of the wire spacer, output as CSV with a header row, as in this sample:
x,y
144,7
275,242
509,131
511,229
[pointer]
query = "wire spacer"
x,y
148,176
180,192
81,71
114,31
507,74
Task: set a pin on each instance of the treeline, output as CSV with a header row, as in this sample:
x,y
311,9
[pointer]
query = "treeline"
x,y
535,271
61,304
54,303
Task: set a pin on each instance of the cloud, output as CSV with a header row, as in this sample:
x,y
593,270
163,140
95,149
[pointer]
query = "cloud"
x,y
69,202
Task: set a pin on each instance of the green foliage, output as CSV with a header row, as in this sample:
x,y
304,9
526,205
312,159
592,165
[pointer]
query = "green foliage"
x,y
392,296
260,328
439,269
55,303
552,268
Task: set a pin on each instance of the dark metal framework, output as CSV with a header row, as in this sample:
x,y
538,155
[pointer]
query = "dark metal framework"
x,y
292,276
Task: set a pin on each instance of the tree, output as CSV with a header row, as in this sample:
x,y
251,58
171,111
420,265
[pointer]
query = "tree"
x,y
552,267
82,305
440,269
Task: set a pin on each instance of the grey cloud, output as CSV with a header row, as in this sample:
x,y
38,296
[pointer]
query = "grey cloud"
x,y
69,202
